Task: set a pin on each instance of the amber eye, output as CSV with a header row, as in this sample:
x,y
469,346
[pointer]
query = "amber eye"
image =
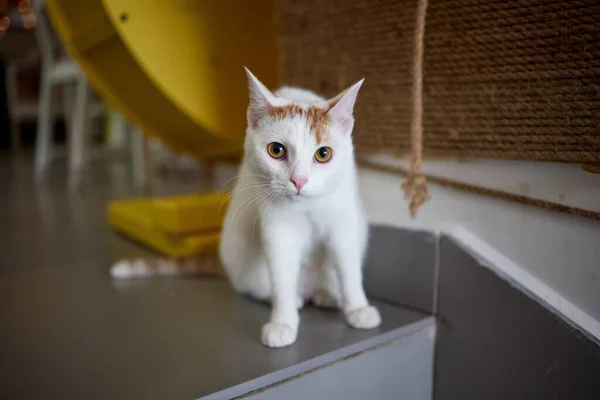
x,y
276,150
323,154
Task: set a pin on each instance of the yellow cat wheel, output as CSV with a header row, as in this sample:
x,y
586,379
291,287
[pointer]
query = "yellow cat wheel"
x,y
174,68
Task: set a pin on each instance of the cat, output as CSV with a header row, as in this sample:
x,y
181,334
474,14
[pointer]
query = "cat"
x,y
295,229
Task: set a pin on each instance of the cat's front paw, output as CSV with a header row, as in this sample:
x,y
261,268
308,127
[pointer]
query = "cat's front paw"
x,y
278,335
363,318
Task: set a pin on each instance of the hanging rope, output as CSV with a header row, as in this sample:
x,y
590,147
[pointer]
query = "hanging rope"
x,y
415,186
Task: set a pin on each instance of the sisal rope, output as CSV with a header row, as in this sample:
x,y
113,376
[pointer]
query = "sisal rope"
x,y
501,79
415,186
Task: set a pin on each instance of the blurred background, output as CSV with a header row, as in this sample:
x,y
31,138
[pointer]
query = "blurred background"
x,y
67,64
19,42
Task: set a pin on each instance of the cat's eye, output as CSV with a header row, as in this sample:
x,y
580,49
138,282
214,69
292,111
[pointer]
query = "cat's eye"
x,y
276,150
323,154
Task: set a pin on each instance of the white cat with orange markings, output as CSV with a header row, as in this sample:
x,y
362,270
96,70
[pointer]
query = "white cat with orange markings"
x,y
295,229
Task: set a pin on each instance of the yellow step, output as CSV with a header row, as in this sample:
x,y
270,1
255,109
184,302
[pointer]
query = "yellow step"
x,y
189,213
175,226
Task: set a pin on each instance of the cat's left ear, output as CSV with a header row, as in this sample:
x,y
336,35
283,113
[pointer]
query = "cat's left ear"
x,y
341,107
261,99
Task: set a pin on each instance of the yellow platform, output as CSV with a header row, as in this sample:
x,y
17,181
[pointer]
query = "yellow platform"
x,y
175,226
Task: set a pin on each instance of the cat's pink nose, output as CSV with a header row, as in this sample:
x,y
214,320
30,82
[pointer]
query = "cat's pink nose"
x,y
299,181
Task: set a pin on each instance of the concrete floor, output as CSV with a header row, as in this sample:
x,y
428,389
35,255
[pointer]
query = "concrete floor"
x,y
44,226
67,330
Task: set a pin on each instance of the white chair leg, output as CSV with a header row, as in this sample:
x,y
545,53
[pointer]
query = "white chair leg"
x,y
68,99
117,131
43,146
141,158
78,139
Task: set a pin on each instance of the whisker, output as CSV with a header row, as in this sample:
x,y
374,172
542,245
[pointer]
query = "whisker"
x,y
239,176
255,201
247,186
249,198
236,190
260,211
266,204
248,203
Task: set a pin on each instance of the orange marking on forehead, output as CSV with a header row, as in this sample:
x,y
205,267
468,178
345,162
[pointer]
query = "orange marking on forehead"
x,y
285,111
317,118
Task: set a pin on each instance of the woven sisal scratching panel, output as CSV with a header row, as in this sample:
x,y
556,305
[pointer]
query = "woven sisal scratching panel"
x,y
504,79
328,45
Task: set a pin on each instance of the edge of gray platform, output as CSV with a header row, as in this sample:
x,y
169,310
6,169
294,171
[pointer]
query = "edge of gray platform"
x,y
322,360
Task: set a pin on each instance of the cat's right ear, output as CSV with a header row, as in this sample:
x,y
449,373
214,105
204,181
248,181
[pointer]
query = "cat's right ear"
x,y
261,100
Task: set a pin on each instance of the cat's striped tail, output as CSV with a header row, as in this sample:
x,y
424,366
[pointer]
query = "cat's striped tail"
x,y
183,266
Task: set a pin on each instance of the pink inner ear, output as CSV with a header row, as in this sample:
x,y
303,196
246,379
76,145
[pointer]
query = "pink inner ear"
x,y
347,123
342,107
254,114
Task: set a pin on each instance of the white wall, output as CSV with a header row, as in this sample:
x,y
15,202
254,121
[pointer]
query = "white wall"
x,y
566,184
562,250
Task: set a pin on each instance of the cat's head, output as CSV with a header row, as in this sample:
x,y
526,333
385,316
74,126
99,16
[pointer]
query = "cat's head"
x,y
301,147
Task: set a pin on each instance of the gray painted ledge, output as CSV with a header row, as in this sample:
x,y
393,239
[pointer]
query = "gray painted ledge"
x,y
327,360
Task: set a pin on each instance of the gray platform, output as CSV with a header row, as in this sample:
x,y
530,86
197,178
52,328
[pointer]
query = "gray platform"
x,y
67,330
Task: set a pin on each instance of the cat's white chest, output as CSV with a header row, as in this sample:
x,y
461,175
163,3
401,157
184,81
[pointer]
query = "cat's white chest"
x,y
308,227
318,225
